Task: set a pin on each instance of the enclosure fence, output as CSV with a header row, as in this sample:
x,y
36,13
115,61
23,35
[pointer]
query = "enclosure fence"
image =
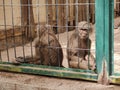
x,y
42,32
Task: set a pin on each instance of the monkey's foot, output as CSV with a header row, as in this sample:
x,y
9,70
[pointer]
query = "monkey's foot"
x,y
15,63
21,60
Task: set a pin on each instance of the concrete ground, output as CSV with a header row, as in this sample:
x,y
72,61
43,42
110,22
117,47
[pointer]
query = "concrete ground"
x,y
15,81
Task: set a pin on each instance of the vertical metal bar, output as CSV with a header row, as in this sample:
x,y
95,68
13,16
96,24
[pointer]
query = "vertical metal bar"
x,y
38,26
67,27
76,11
88,11
88,20
5,29
48,32
47,11
76,23
67,3
57,15
13,28
22,27
58,56
109,34
30,25
104,34
38,13
0,56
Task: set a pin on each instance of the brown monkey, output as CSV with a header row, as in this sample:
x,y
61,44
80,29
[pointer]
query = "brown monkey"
x,y
79,44
48,50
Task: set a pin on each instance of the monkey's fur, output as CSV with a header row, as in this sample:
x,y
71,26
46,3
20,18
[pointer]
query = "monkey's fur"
x,y
78,52
48,50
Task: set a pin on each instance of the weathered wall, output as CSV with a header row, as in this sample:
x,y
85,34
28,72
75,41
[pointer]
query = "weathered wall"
x,y
16,20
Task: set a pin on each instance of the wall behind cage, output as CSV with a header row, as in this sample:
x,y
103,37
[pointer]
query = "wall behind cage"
x,y
40,11
6,15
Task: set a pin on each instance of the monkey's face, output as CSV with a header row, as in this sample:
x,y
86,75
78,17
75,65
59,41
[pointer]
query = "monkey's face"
x,y
83,33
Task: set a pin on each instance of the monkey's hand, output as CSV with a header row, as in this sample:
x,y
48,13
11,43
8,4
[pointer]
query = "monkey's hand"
x,y
89,57
91,60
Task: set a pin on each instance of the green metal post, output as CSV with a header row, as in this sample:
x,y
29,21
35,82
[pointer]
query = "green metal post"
x,y
104,38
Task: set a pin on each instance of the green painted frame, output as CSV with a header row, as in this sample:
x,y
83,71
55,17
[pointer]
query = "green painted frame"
x,y
104,34
104,52
104,40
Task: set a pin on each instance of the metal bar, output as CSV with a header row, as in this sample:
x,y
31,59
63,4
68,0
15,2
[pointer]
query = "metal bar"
x,y
99,33
76,10
88,20
51,71
104,34
104,40
57,23
0,56
46,4
4,11
21,2
58,57
33,25
109,35
67,26
38,27
57,15
58,53
29,25
47,21
13,28
76,23
88,11
47,11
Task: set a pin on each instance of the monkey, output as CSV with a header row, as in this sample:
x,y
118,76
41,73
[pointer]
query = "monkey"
x,y
79,44
48,50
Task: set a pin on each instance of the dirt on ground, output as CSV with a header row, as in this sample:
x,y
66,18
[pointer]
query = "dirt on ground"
x,y
51,83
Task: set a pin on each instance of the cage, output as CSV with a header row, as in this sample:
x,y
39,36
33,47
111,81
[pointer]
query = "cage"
x,y
51,29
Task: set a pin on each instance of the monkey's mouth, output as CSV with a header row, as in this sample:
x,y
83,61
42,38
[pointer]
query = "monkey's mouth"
x,y
83,37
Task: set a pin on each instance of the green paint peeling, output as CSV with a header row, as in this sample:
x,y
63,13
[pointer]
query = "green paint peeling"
x,y
115,79
70,73
103,76
16,69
